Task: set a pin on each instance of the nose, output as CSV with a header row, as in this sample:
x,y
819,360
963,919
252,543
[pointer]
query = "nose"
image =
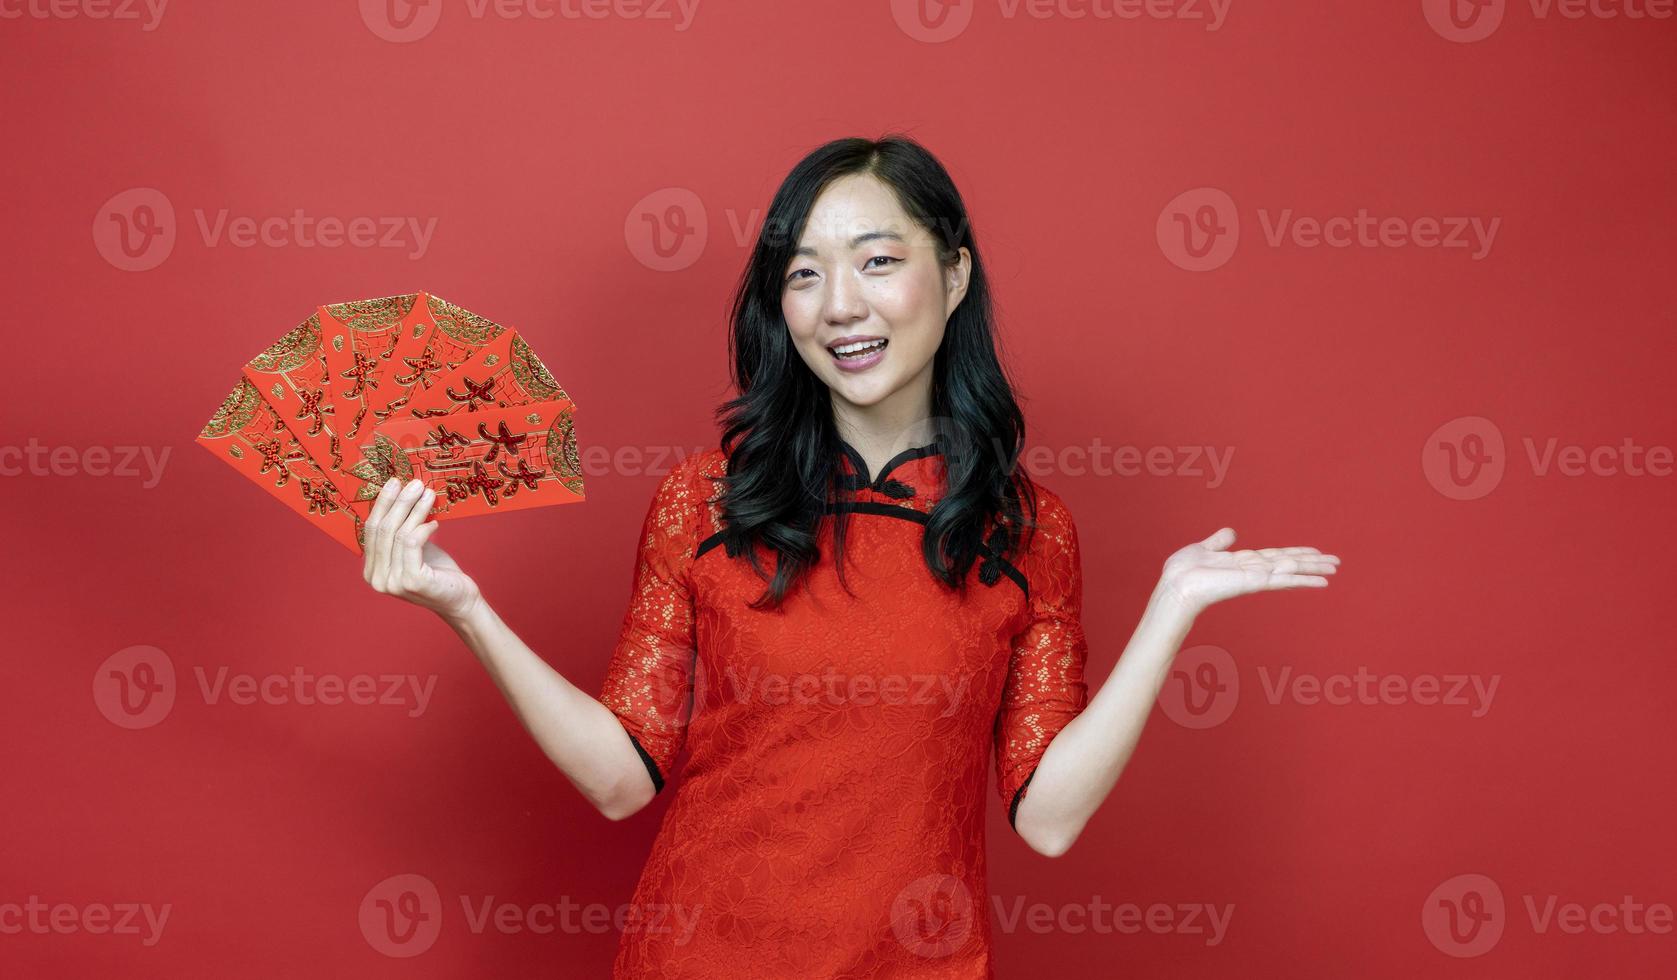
x,y
844,302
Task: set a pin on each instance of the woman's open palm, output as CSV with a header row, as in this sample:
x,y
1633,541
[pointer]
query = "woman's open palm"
x,y
400,559
1206,572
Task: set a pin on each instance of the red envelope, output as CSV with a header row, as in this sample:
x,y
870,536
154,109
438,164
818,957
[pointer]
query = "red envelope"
x,y
504,373
482,462
363,368
291,375
436,339
361,340
247,434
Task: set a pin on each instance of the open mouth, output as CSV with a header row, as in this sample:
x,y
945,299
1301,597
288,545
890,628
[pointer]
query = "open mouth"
x,y
858,350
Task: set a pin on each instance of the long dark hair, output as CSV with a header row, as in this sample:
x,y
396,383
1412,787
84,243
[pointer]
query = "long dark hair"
x,y
779,435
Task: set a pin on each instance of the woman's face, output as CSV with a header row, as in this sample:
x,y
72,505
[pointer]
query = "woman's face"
x,y
866,273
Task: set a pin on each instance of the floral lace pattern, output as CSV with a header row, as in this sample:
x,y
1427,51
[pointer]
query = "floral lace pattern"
x,y
828,821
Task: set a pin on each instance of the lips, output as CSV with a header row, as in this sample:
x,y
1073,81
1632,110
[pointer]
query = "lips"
x,y
857,352
856,347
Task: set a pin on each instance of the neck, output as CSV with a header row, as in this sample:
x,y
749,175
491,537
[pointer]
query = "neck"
x,y
881,430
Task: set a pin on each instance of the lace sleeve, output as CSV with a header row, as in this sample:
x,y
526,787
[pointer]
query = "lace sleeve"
x,y
1045,687
648,682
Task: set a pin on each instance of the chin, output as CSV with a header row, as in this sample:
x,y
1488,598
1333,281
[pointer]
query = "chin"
x,y
863,393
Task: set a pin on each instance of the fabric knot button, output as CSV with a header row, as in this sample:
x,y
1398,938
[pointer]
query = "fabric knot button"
x,y
990,569
896,489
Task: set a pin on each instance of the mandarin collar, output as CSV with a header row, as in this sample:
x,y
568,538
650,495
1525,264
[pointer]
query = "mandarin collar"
x,y
915,472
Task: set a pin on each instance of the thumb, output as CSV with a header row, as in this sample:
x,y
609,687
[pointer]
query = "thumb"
x,y
1220,540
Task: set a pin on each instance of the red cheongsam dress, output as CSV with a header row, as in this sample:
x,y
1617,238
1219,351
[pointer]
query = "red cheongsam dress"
x,y
829,819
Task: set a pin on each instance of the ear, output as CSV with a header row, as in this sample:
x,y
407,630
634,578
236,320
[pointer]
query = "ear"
x,y
955,278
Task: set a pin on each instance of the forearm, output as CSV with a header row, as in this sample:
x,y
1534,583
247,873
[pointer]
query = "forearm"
x,y
578,733
1083,761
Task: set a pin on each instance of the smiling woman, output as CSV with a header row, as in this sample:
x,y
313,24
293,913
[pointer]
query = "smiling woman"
x,y
843,613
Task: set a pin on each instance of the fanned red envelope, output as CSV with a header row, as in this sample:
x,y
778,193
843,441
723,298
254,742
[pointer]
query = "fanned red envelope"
x,y
251,436
480,462
360,391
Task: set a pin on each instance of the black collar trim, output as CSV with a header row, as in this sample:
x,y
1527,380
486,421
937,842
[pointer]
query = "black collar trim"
x,y
901,513
860,478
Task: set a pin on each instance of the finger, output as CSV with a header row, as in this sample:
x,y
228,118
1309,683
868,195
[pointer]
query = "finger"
x,y
386,496
369,528
1314,566
1297,582
413,548
1220,540
417,515
1310,554
1287,552
398,513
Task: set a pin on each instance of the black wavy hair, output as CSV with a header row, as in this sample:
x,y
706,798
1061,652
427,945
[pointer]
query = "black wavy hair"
x,y
779,434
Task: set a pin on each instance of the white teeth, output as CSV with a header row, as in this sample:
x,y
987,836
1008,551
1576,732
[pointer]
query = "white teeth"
x,y
844,349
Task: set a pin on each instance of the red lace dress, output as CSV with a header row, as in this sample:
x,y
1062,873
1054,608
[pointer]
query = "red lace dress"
x,y
829,821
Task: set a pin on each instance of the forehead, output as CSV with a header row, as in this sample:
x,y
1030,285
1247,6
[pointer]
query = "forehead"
x,y
858,206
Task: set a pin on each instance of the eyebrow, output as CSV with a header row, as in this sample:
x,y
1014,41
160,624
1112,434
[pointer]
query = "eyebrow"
x,y
856,242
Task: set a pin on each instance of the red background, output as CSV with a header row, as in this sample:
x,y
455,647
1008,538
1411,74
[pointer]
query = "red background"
x,y
1325,370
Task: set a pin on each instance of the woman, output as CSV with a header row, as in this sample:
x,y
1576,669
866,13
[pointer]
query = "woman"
x,y
838,612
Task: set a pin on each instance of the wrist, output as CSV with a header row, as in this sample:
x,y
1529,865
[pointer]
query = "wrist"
x,y
470,618
1169,605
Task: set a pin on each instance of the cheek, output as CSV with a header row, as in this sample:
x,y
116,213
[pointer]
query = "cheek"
x,y
910,300
802,314
913,307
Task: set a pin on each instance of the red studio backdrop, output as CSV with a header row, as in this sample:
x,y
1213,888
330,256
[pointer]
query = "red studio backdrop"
x,y
1388,279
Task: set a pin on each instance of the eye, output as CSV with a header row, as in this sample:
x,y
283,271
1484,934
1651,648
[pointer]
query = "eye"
x,y
794,276
880,258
